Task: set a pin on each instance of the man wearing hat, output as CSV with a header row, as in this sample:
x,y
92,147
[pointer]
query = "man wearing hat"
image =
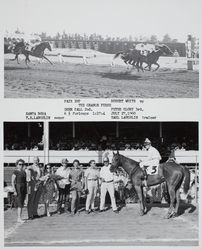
x,y
63,186
34,174
153,158
107,184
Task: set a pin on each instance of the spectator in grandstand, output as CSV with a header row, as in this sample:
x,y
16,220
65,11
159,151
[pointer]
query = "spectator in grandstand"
x,y
77,185
107,184
34,173
91,185
127,147
19,185
103,142
63,186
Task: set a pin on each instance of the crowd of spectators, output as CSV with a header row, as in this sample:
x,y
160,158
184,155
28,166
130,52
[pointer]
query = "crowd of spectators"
x,y
15,142
100,144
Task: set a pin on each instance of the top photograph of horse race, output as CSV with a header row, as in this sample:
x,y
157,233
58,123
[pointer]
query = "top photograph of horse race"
x,y
101,49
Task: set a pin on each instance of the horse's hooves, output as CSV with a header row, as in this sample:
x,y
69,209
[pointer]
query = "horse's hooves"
x,y
170,215
167,216
142,213
174,215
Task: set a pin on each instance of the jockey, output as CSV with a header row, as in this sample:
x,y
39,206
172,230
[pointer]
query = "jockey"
x,y
141,48
153,158
30,46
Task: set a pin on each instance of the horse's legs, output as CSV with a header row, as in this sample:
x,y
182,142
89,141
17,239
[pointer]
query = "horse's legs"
x,y
141,199
157,66
139,65
177,201
27,59
47,209
171,190
16,58
47,59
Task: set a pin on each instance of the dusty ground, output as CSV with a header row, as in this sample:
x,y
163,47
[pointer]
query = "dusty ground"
x,y
107,228
98,79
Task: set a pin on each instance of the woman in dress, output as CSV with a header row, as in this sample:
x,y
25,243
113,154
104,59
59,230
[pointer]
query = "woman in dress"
x,y
19,185
49,187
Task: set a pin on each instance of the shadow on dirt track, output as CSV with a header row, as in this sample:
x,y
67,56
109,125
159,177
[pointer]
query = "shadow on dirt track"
x,y
182,208
185,207
15,68
119,76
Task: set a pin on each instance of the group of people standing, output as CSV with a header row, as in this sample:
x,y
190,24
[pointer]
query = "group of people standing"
x,y
41,186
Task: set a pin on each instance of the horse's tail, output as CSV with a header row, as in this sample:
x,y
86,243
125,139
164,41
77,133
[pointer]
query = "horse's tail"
x,y
118,54
186,179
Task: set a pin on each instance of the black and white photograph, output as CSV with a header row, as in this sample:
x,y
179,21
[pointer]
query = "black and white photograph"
x,y
100,123
101,183
101,49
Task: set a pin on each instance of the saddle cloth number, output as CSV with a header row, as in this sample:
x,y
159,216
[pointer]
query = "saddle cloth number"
x,y
152,170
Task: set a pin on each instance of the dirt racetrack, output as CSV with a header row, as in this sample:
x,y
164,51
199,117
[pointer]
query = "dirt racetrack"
x,y
107,228
73,79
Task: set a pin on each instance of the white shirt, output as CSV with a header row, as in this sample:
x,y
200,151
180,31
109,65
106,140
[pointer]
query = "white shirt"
x,y
92,173
153,154
63,172
106,174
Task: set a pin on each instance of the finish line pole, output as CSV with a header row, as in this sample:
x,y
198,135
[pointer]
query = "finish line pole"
x,y
189,53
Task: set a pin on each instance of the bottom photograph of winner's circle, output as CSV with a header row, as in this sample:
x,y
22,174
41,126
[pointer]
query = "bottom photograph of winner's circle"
x,y
101,183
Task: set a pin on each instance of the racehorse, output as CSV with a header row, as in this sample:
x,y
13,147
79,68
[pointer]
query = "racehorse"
x,y
131,56
153,57
170,172
136,59
37,51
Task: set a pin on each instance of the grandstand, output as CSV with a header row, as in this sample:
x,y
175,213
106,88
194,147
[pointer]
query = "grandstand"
x,y
91,140
109,47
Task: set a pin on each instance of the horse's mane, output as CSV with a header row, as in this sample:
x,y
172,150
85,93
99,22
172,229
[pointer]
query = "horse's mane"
x,y
130,160
133,163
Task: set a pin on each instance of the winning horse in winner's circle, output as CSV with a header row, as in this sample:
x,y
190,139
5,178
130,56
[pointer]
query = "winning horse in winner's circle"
x,y
37,51
170,172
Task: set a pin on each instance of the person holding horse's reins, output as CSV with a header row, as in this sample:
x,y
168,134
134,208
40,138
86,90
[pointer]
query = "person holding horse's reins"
x,y
152,160
107,184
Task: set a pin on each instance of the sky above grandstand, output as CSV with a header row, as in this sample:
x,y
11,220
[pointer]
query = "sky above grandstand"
x,y
115,18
